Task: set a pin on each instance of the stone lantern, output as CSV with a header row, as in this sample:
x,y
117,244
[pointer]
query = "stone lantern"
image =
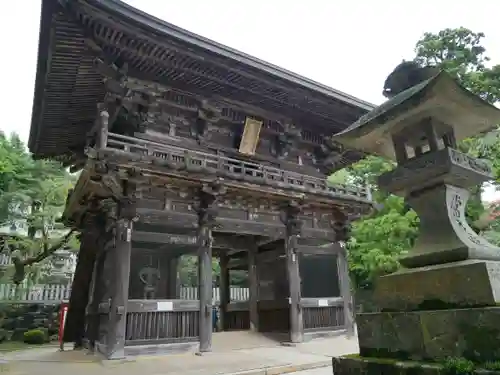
x,y
443,303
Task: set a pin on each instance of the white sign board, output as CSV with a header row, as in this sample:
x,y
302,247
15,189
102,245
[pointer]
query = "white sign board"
x,y
322,302
165,306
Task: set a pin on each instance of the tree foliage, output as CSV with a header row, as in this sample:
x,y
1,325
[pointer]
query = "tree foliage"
x,y
378,240
32,198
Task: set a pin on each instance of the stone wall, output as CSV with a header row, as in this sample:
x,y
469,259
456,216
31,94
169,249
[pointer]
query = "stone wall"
x,y
17,318
364,300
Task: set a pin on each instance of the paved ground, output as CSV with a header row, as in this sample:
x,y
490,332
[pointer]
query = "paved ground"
x,y
254,358
316,371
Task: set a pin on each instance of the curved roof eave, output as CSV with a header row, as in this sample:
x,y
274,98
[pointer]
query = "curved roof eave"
x,y
135,15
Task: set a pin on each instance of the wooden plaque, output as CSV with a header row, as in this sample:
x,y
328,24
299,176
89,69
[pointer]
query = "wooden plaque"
x,y
250,137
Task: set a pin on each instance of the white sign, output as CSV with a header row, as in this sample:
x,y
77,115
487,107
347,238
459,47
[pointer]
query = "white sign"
x,y
322,302
165,306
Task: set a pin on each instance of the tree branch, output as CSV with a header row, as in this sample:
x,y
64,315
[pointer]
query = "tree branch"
x,y
47,251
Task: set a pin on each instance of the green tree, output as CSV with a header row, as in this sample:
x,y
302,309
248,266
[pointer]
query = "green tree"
x,y
32,195
378,240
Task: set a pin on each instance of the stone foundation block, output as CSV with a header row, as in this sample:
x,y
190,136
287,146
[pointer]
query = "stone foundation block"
x,y
470,283
472,333
376,366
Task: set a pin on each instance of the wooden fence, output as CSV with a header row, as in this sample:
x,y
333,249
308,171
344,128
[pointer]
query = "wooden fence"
x,y
11,292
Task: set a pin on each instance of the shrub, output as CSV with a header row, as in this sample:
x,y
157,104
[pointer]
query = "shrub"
x,y
35,336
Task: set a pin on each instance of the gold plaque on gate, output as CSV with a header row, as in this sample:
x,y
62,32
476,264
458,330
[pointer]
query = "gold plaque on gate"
x,y
250,137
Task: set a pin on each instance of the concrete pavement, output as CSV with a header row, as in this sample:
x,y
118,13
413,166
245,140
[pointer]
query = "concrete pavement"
x,y
318,371
267,358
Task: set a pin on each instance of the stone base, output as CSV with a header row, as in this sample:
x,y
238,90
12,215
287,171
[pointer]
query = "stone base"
x,y
376,366
469,283
431,335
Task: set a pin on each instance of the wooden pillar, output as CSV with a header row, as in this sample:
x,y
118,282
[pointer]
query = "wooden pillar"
x,y
342,228
224,289
115,342
95,292
173,279
75,321
345,289
293,229
102,135
253,288
206,211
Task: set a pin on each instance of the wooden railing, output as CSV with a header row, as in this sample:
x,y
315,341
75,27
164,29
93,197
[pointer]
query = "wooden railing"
x,y
237,317
196,160
324,314
162,322
274,316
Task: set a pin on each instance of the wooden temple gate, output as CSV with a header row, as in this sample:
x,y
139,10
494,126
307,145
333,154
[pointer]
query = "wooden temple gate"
x,y
211,153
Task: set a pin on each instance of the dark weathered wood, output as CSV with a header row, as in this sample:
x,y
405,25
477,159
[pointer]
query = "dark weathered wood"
x,y
270,255
102,131
75,322
206,210
323,319
253,287
178,138
224,288
173,280
322,302
237,316
332,249
276,230
115,342
95,296
219,242
293,231
345,288
145,305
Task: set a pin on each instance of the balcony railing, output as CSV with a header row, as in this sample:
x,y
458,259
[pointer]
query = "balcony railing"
x,y
237,168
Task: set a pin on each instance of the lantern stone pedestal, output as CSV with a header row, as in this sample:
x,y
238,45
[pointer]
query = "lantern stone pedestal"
x,y
443,304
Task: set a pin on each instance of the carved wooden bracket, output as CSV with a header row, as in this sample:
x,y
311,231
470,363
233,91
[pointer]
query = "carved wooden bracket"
x,y
290,217
127,204
208,195
341,224
285,141
207,114
329,155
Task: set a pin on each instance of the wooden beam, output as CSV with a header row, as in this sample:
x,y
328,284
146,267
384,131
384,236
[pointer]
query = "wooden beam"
x,y
184,220
164,238
330,249
219,242
270,255
238,263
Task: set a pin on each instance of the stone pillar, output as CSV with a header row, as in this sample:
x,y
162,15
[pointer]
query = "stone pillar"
x,y
224,289
253,288
207,212
115,342
290,217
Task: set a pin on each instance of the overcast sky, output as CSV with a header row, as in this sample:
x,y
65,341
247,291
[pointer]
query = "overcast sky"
x,y
349,45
